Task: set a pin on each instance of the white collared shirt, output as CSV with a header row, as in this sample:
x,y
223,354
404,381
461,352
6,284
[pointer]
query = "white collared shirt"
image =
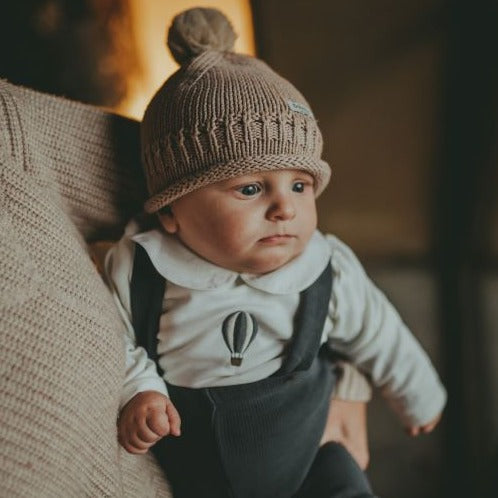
x,y
361,322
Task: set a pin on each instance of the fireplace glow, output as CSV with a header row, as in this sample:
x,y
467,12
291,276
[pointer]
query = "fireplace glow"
x,y
150,20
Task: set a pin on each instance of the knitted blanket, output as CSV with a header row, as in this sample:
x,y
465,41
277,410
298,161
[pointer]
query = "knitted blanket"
x,y
69,174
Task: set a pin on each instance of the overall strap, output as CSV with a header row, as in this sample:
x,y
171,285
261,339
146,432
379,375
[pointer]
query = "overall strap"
x,y
308,323
147,289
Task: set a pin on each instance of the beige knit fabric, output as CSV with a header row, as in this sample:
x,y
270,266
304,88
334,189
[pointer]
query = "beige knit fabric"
x,y
223,115
196,30
69,174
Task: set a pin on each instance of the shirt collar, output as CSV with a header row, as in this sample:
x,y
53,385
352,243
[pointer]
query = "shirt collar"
x,y
179,265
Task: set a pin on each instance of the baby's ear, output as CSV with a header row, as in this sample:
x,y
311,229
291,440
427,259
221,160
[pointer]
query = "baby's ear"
x,y
167,219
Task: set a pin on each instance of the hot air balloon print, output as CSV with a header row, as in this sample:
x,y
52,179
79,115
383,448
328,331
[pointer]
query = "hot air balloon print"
x,y
239,330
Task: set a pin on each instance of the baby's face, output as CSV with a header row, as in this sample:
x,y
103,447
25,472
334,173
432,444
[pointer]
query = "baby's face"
x,y
249,224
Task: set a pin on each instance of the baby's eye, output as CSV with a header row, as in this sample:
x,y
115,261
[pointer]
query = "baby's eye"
x,y
298,187
250,190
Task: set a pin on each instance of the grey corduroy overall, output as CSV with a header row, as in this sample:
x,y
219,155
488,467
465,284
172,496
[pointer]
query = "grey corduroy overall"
x,y
259,439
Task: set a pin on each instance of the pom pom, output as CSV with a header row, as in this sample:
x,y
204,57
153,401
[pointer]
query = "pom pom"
x,y
198,30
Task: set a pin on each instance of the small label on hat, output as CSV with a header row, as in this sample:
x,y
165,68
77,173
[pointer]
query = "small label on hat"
x,y
300,108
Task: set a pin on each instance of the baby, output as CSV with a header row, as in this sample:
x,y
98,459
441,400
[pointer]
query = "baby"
x,y
234,301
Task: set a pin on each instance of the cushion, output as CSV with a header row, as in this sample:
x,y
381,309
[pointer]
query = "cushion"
x,y
69,175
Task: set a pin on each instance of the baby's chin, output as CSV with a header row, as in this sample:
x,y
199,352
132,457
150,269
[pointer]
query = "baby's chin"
x,y
266,265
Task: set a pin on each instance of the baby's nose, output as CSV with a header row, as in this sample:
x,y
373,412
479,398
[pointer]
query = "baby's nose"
x,y
282,208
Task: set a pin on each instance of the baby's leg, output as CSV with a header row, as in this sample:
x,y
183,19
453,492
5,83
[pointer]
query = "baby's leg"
x,y
335,474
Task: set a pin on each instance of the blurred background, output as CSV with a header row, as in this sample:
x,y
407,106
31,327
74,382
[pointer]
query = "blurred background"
x,y
406,96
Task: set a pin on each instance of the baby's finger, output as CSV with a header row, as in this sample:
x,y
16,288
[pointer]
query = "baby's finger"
x,y
413,430
146,435
428,427
158,423
134,451
128,443
135,441
174,419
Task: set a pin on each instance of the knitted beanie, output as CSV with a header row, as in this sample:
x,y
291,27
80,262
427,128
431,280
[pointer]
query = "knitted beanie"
x,y
222,115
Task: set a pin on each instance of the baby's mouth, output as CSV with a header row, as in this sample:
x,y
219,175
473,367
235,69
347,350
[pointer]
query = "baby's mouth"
x,y
276,238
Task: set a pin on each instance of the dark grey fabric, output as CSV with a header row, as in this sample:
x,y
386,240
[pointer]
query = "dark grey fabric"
x,y
335,474
146,296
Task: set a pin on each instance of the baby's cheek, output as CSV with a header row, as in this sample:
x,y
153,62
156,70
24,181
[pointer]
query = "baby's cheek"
x,y
239,233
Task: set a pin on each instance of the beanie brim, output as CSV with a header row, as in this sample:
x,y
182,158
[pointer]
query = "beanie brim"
x,y
319,169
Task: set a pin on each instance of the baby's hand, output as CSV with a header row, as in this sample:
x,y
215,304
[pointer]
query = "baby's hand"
x,y
415,430
145,419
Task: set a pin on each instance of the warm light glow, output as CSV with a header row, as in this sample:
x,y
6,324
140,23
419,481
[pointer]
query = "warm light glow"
x,y
150,20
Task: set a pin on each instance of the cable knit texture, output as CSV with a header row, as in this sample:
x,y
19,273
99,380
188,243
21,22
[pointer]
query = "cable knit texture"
x,y
69,174
223,115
